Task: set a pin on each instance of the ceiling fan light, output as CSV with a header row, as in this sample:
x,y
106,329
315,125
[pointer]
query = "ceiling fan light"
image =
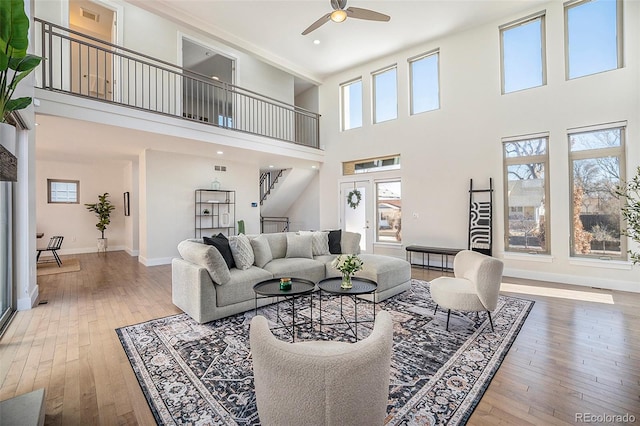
x,y
338,15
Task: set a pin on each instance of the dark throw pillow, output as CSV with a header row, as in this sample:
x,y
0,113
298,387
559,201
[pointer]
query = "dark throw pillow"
x,y
334,241
221,243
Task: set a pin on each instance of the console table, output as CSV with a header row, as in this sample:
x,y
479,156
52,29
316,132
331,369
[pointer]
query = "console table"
x,y
444,254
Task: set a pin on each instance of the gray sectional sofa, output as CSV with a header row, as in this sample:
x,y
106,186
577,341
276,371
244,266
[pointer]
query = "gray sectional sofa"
x,y
204,286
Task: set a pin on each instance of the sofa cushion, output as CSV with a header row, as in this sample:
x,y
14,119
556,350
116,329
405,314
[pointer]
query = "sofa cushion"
x,y
308,269
334,241
242,251
387,271
261,251
350,242
319,242
207,257
299,246
277,243
221,243
242,289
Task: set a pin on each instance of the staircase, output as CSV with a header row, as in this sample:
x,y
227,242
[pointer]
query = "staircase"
x,y
280,189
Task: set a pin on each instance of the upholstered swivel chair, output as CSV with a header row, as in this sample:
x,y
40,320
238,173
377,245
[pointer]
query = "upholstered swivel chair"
x,y
322,382
474,288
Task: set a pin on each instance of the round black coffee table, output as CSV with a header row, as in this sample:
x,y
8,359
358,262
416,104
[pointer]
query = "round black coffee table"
x,y
360,286
299,287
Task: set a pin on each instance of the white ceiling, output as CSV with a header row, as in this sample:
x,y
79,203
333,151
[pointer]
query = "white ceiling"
x,y
272,29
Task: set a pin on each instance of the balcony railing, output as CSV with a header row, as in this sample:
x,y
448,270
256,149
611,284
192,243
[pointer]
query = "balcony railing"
x,y
81,65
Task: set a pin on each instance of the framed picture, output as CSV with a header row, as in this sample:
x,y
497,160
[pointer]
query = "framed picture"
x,y
127,210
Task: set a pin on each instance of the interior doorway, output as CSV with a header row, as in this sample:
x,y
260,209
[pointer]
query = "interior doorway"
x,y
204,97
93,69
356,211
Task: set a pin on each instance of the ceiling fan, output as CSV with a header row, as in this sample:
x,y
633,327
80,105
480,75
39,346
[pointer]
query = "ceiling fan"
x,y
339,14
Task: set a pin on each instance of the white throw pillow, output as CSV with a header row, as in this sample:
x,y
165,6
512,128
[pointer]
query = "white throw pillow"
x,y
299,246
319,242
241,251
261,251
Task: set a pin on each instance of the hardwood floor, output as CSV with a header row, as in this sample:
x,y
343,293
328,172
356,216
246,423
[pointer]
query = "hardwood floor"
x,y
578,351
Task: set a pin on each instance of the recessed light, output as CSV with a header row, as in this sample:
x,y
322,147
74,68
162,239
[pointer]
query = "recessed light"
x,y
313,167
37,124
215,77
271,166
220,152
316,41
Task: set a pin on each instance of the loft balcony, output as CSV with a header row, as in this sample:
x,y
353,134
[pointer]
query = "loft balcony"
x,y
80,65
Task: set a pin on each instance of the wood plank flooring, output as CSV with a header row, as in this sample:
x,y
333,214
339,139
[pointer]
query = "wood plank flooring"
x,y
578,351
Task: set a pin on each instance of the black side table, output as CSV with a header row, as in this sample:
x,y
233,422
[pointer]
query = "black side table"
x,y
271,288
360,286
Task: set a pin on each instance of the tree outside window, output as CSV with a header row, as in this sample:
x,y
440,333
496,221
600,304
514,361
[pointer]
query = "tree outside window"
x,y
526,195
597,166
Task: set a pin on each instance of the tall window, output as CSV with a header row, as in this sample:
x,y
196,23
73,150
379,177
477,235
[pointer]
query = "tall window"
x,y
526,194
63,191
385,95
351,101
523,54
597,163
425,85
389,212
592,36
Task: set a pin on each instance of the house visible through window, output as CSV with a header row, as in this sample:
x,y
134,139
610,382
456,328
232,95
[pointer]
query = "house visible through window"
x,y
63,191
389,212
385,95
593,37
425,85
526,195
597,164
351,101
523,54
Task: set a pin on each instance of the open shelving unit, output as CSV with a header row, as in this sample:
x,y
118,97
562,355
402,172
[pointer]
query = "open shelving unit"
x,y
215,212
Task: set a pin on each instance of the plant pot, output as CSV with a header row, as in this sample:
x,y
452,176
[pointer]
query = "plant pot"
x,y
102,244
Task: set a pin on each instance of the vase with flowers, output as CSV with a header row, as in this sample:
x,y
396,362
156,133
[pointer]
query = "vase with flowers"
x,y
348,265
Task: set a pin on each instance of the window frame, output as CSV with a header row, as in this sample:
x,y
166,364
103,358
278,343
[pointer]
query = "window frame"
x,y
376,184
510,161
586,154
543,47
374,85
343,111
50,199
411,61
619,36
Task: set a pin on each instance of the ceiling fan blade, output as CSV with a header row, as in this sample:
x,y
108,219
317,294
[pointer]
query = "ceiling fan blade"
x,y
317,24
369,15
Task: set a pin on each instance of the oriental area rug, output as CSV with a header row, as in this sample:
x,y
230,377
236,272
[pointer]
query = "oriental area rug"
x,y
202,374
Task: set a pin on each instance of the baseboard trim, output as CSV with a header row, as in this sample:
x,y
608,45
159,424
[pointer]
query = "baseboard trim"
x,y
81,250
132,253
26,303
155,262
576,280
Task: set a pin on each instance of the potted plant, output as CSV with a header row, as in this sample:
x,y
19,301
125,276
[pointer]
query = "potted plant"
x,y
630,197
102,209
15,63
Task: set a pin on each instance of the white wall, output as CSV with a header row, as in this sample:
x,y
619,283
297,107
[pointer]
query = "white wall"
x,y
74,221
443,149
304,214
168,182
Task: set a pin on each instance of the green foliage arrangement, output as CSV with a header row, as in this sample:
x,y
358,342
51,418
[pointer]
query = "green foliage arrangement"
x,y
348,265
14,60
630,196
102,209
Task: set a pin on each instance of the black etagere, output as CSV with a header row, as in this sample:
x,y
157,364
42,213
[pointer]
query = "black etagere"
x,y
215,212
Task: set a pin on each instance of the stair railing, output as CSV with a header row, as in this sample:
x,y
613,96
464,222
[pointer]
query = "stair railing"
x,y
271,225
267,182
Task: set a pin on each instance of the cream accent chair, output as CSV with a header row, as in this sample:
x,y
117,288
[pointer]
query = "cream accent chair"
x,y
475,288
322,382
